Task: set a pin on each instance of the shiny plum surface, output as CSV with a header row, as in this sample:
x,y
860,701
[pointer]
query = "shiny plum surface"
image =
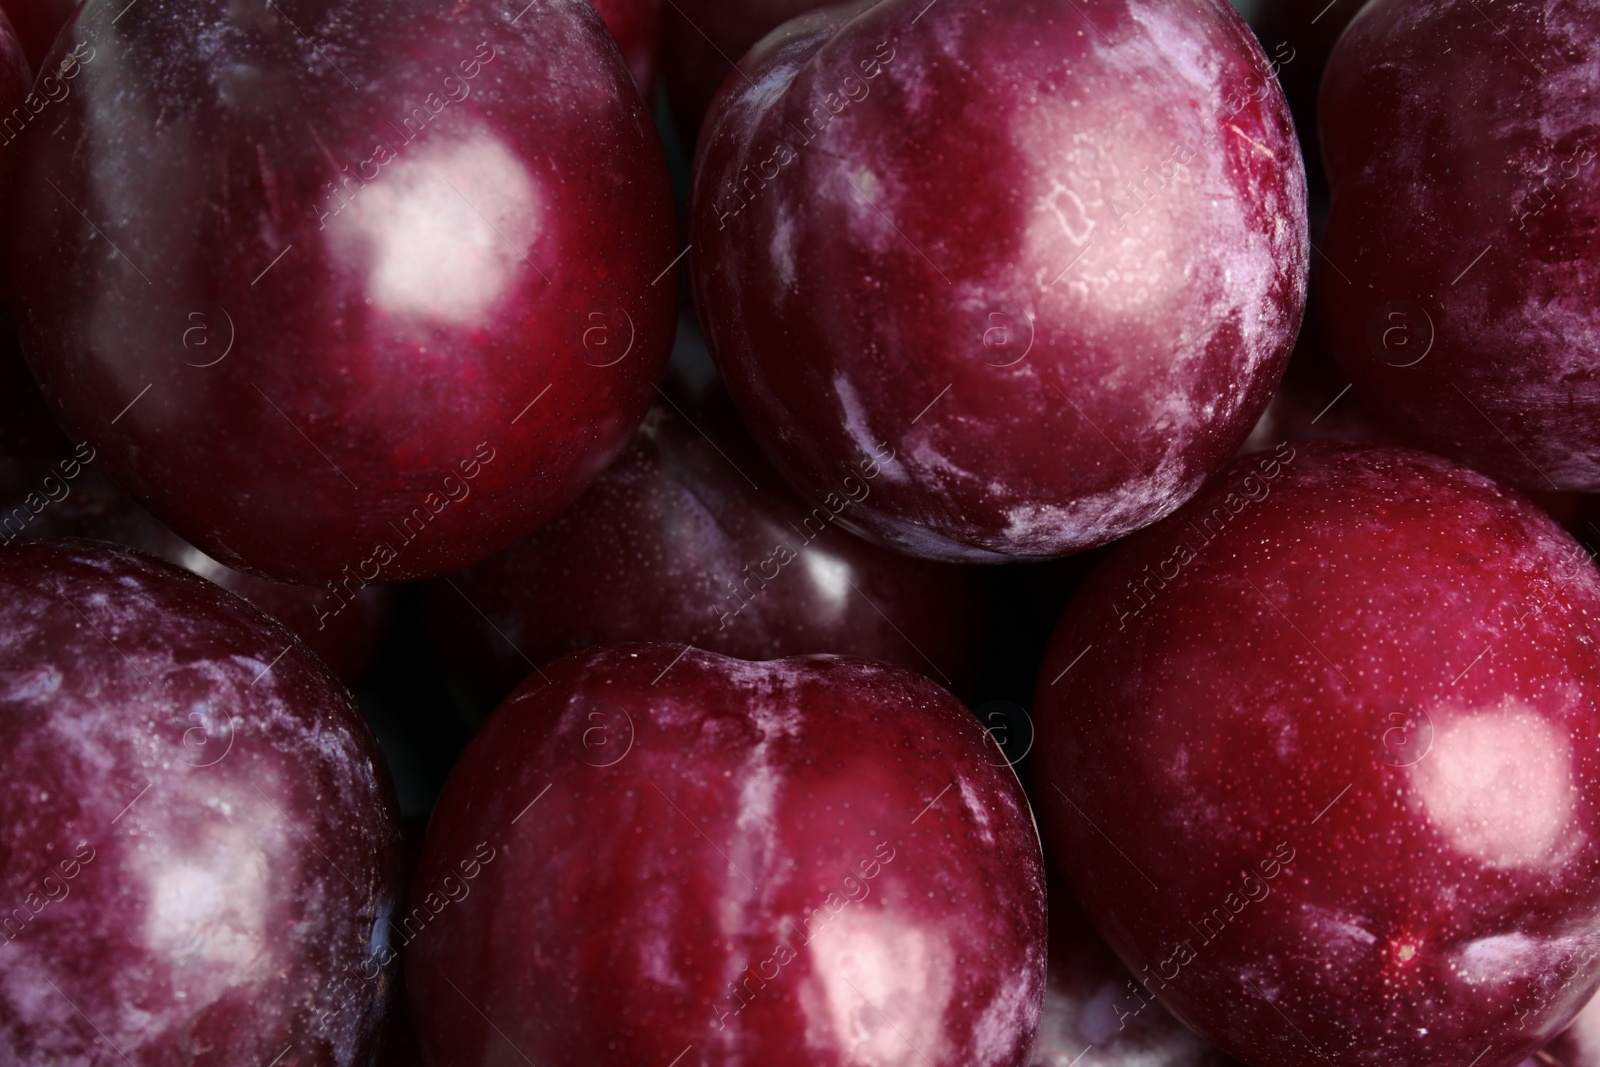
x,y
662,853
932,238
346,291
1320,758
1461,145
199,850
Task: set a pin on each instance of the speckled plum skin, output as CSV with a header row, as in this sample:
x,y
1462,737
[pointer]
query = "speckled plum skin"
x,y
702,41
1096,1015
939,242
199,851
815,861
346,286
636,24
691,536
1463,227
1319,756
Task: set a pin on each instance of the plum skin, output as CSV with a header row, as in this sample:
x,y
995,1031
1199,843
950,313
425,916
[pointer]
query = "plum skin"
x,y
636,24
1363,695
51,487
633,801
196,820
388,336
1050,324
1462,228
691,536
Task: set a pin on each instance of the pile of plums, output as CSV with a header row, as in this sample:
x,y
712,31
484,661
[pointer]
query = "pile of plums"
x,y
711,533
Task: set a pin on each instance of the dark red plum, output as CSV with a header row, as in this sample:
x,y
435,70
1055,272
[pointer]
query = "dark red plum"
x,y
636,24
1043,264
691,536
51,487
666,856
1460,297
343,291
1319,756
199,851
